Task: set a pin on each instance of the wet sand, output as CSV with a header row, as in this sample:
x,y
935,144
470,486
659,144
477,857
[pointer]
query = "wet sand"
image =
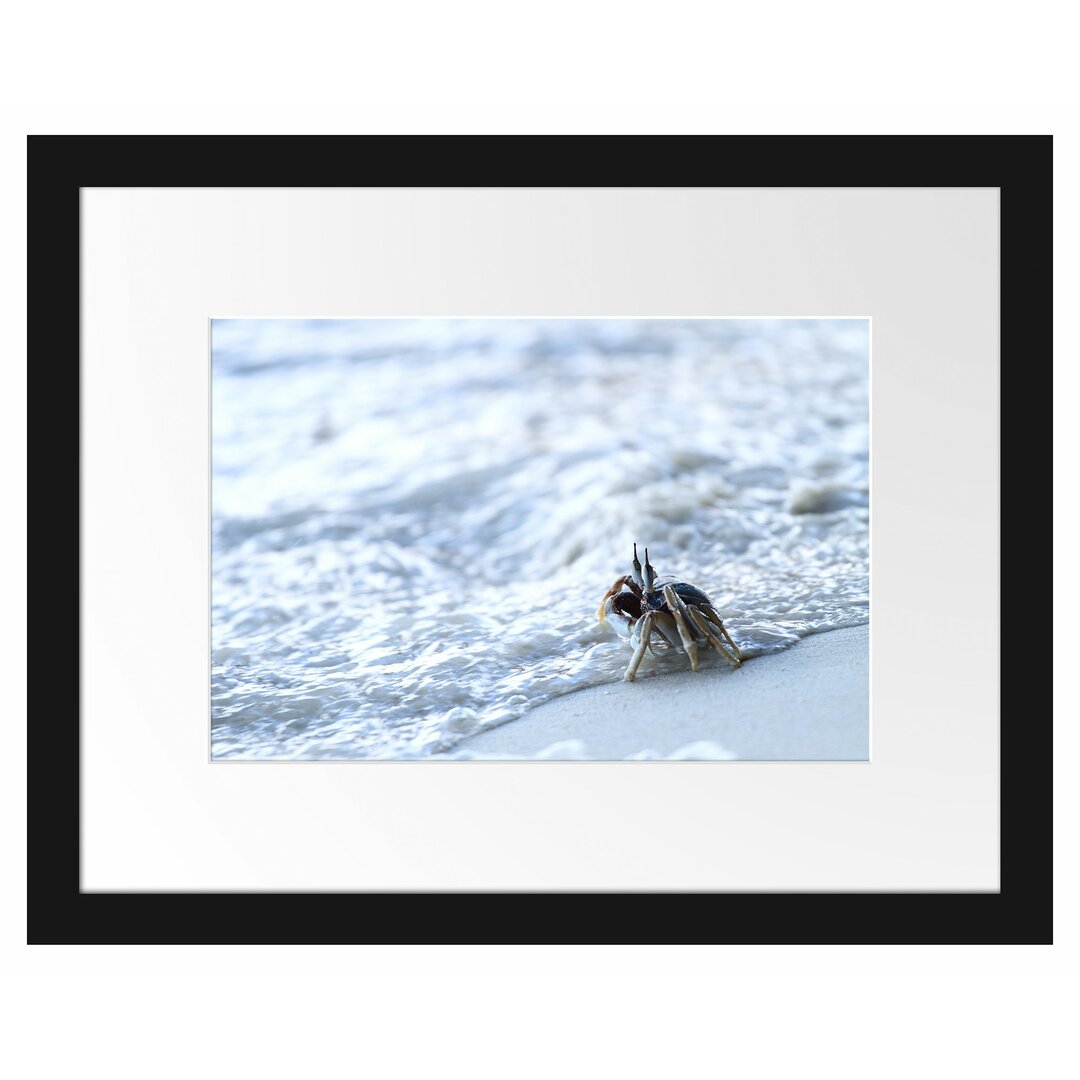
x,y
808,703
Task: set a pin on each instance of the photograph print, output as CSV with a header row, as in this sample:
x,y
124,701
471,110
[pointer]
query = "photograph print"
x,y
615,539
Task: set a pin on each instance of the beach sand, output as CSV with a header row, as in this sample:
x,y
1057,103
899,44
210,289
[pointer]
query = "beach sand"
x,y
807,703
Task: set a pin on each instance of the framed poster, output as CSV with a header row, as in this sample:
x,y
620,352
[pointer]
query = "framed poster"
x,y
138,244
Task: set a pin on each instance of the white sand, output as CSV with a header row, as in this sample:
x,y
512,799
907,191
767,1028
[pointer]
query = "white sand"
x,y
810,702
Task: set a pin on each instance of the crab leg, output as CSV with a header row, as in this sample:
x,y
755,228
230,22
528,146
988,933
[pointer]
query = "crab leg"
x,y
676,607
642,642
664,625
711,612
706,627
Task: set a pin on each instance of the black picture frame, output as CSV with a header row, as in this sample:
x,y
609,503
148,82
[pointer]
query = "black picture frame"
x,y
60,166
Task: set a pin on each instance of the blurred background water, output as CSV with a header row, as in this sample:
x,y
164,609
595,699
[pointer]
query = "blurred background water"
x,y
414,520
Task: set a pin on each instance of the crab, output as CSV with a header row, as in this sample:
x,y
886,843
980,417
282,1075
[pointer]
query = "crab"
x,y
640,605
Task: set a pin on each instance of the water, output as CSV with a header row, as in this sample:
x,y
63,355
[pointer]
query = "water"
x,y
414,520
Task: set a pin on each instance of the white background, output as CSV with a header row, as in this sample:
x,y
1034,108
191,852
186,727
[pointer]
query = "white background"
x,y
416,67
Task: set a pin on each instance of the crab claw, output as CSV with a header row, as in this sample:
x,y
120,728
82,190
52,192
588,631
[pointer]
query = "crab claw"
x,y
636,575
650,573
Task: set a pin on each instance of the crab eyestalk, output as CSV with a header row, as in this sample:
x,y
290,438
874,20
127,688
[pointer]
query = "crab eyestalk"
x,y
650,573
636,574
